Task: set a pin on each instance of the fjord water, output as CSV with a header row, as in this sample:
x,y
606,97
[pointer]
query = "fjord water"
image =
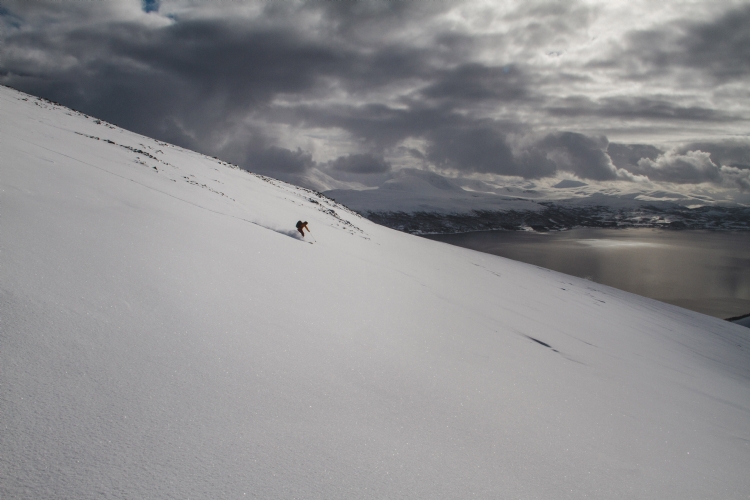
x,y
704,271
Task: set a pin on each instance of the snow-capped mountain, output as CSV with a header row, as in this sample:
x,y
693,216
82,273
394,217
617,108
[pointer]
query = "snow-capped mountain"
x,y
166,333
419,201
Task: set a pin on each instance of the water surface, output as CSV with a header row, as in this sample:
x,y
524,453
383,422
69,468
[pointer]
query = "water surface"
x,y
705,271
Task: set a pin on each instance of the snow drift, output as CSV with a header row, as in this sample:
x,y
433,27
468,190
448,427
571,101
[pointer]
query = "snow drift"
x,y
162,336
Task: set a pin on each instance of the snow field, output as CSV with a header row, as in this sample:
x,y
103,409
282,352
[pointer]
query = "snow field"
x,y
164,333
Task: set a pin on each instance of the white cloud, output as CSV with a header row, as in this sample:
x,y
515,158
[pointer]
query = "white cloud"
x,y
692,167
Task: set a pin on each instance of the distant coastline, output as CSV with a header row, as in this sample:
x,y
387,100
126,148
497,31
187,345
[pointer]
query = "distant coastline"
x,y
559,217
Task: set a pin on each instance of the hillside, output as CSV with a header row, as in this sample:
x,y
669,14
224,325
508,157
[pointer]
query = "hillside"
x,y
165,334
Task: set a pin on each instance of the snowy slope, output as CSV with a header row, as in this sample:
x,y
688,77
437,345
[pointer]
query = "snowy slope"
x,y
163,334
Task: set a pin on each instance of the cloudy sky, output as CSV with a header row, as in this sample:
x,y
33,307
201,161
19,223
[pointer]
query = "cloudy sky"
x,y
623,92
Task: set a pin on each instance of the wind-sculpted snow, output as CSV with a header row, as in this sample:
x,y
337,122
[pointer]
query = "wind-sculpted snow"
x,y
163,336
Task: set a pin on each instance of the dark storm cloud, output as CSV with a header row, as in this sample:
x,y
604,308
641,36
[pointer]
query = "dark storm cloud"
x,y
731,153
9,19
636,108
719,48
214,57
361,164
534,162
484,148
251,66
691,168
453,140
186,83
726,162
456,142
415,153
245,87
279,159
377,125
478,149
191,81
627,156
477,82
580,154
355,19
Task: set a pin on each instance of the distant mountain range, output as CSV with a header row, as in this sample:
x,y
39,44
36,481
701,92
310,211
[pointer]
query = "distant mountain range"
x,y
421,202
557,217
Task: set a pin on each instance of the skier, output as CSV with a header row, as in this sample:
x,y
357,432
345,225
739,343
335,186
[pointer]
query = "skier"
x,y
301,226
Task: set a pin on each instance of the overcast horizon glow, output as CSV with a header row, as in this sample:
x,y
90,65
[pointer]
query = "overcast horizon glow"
x,y
607,92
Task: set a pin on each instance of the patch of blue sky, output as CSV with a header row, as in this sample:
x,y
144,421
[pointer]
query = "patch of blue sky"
x,y
150,5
